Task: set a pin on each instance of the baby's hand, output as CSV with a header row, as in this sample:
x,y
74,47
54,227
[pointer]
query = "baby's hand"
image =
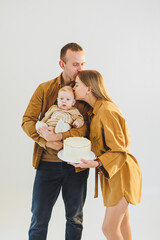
x,y
76,124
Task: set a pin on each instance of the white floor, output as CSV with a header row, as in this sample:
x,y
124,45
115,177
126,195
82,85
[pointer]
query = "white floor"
x,y
15,217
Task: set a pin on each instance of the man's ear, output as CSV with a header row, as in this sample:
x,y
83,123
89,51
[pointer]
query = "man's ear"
x,y
61,64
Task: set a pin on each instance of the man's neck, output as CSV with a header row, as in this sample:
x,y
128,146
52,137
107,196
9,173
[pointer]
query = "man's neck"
x,y
65,80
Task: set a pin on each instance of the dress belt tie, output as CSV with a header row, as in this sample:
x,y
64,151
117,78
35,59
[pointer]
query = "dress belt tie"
x,y
96,183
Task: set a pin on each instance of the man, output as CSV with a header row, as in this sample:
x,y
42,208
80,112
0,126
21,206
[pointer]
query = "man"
x,y
54,175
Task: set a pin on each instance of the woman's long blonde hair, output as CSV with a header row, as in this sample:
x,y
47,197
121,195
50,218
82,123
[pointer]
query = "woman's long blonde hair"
x,y
93,79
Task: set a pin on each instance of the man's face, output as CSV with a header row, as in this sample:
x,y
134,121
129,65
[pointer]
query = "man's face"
x,y
74,63
65,100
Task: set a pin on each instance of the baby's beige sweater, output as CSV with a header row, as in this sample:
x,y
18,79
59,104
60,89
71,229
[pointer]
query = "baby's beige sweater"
x,y
54,114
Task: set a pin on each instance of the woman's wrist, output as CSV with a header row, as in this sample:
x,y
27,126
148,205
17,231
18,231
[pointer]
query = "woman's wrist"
x,y
99,163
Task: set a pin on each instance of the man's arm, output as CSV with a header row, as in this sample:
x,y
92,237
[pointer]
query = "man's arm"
x,y
31,116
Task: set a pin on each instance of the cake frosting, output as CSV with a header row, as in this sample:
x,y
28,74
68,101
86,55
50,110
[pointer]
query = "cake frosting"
x,y
75,148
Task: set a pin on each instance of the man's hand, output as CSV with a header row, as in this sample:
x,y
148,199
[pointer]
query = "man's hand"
x,y
49,134
54,145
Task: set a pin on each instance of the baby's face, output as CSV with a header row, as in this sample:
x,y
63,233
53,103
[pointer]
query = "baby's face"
x,y
65,100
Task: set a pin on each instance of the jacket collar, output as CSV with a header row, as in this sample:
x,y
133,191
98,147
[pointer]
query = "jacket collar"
x,y
97,105
60,81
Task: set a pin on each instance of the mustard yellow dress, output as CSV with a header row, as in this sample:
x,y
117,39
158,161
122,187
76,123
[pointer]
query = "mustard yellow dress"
x,y
110,141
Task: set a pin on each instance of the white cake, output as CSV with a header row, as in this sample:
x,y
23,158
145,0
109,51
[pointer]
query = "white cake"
x,y
75,148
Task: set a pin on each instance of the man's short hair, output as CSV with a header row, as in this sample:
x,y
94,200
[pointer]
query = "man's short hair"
x,y
72,46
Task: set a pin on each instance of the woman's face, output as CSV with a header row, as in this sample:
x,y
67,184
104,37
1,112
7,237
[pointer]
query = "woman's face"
x,y
80,90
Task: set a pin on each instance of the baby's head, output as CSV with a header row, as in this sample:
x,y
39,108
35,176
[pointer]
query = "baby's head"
x,y
65,98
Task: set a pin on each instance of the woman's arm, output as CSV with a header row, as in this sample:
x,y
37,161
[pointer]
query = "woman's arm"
x,y
116,139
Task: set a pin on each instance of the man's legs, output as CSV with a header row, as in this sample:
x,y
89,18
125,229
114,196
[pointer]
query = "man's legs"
x,y
47,186
74,194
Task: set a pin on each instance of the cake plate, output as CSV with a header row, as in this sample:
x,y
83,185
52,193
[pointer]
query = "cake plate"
x,y
60,155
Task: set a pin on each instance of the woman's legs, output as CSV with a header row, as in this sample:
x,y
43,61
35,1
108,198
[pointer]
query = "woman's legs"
x,y
116,222
125,227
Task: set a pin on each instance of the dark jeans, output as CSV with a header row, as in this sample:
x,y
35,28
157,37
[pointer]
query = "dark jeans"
x,y
50,179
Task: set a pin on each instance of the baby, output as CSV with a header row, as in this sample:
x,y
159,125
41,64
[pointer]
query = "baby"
x,y
63,115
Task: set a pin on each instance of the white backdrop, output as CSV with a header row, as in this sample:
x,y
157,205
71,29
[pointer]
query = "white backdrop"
x,y
121,40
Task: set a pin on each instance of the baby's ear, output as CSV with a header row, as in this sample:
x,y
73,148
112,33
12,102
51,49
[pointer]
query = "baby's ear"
x,y
74,101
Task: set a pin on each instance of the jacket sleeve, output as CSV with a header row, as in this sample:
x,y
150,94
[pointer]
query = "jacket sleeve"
x,y
31,116
116,139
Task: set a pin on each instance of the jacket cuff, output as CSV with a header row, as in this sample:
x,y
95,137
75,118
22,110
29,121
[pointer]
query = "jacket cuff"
x,y
66,135
42,142
104,166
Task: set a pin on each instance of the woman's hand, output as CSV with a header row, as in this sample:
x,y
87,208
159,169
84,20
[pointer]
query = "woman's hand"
x,y
49,134
86,164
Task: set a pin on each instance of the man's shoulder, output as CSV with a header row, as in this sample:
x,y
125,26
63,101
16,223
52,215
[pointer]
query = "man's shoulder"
x,y
49,82
48,87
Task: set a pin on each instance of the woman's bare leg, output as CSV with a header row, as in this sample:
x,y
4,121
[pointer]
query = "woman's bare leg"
x,y
125,227
113,219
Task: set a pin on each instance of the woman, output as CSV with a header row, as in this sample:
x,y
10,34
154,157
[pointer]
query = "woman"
x,y
122,182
